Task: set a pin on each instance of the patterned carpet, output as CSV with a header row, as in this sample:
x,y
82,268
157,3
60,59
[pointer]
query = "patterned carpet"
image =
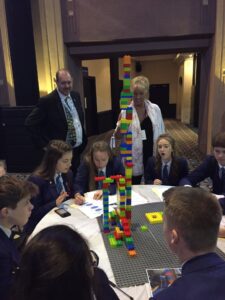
x,y
186,142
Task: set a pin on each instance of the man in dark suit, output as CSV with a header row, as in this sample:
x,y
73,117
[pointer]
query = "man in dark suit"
x,y
191,222
213,167
15,209
59,115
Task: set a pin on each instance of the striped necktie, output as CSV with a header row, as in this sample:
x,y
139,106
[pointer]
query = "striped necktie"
x,y
71,132
59,185
100,183
165,174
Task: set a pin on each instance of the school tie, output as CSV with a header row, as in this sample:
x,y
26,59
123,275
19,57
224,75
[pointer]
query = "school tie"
x,y
165,174
59,185
71,132
223,179
100,183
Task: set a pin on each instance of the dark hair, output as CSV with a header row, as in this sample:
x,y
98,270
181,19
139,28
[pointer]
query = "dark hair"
x,y
174,164
54,151
12,190
219,140
101,146
55,264
196,213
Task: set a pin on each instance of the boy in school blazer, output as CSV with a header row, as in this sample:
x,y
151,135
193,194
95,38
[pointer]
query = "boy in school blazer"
x,y
15,209
203,271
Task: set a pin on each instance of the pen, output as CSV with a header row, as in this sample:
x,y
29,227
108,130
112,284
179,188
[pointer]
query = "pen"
x,y
115,286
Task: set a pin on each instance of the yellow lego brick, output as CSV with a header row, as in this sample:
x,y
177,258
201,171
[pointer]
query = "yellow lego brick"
x,y
128,171
154,217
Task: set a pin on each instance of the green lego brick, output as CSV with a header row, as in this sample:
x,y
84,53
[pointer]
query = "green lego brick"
x,y
144,228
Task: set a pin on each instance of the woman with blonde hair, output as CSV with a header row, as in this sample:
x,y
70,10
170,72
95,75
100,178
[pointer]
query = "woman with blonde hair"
x,y
147,124
100,161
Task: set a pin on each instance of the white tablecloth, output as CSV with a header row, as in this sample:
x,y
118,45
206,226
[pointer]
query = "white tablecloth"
x,y
90,230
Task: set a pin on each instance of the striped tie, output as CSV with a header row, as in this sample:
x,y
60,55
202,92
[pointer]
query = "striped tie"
x,y
71,133
59,185
100,183
165,174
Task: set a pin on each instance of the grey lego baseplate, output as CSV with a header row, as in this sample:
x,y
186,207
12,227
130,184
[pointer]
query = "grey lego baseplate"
x,y
152,251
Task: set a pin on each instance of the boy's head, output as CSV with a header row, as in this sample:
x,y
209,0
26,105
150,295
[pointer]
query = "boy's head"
x,y
15,206
218,144
191,220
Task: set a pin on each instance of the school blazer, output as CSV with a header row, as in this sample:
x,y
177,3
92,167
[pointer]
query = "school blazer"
x,y
202,278
151,174
45,200
208,168
114,167
9,261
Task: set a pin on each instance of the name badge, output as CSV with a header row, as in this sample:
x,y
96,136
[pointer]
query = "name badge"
x,y
143,135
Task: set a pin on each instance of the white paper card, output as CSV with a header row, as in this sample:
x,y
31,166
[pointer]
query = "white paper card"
x,y
143,135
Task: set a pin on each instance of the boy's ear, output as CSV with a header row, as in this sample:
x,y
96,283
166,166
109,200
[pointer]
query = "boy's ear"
x,y
174,237
4,212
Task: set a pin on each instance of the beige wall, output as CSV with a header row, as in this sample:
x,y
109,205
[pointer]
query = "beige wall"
x,y
49,46
6,88
161,72
100,69
213,119
186,99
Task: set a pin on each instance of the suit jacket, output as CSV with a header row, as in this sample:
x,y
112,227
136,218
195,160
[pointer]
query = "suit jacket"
x,y
208,168
174,176
45,200
9,261
47,121
202,278
114,167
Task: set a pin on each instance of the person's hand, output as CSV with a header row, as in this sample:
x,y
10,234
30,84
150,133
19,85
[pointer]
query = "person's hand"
x,y
117,133
157,182
98,195
79,199
61,198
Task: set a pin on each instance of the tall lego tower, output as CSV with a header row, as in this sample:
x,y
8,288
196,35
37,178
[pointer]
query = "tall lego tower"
x,y
121,217
126,144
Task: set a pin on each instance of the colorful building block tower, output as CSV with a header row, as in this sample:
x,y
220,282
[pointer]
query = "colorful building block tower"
x,y
121,217
126,145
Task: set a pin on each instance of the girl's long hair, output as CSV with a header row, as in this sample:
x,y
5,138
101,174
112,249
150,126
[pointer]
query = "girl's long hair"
x,y
54,151
174,164
101,146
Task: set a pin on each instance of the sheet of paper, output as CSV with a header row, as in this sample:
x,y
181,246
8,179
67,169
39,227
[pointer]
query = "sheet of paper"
x,y
93,208
160,189
90,196
137,199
